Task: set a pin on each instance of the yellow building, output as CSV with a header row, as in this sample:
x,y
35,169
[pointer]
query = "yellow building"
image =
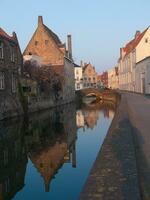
x,y
113,78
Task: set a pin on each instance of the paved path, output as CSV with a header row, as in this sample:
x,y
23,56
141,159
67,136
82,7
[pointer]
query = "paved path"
x,y
139,114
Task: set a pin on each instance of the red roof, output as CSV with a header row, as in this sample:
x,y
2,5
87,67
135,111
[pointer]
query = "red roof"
x,y
5,35
133,43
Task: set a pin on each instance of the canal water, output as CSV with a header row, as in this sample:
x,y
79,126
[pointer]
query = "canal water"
x,y
49,155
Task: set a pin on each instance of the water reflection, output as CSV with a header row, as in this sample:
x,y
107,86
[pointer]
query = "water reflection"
x,y
87,117
48,140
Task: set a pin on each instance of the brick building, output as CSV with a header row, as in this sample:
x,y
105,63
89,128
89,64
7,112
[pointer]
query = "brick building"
x,y
10,66
104,78
53,54
89,76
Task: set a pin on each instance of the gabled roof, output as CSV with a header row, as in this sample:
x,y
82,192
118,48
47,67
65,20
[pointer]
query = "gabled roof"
x,y
53,35
85,66
75,65
133,43
5,35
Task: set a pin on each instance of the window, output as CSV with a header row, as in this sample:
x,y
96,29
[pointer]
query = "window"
x,y
1,50
78,85
146,40
46,42
89,79
13,83
36,43
77,72
5,154
12,54
2,80
7,185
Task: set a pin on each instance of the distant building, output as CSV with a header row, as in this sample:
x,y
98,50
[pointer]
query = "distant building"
x,y
99,82
113,78
10,67
134,52
104,78
89,76
78,71
142,76
53,55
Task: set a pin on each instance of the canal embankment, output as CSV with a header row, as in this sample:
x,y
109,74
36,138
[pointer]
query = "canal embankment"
x,y
114,174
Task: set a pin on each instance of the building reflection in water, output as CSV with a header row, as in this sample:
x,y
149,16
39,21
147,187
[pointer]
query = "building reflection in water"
x,y
88,116
13,159
47,140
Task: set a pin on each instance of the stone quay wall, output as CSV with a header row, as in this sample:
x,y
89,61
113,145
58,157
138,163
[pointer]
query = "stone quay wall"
x,y
114,174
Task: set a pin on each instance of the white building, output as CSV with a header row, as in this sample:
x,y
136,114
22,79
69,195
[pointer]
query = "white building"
x,y
80,122
78,77
142,76
134,52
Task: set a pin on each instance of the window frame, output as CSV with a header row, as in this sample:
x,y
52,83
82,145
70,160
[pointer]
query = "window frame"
x,y
2,80
12,53
13,83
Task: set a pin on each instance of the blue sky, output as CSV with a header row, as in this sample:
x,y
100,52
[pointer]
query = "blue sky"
x,y
98,27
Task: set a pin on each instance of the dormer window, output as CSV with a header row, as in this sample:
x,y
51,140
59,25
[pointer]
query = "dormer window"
x,y
1,50
12,54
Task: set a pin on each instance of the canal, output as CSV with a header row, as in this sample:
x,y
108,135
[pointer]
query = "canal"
x,y
49,155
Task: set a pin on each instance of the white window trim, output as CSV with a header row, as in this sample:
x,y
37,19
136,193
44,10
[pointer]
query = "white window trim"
x,y
12,54
2,80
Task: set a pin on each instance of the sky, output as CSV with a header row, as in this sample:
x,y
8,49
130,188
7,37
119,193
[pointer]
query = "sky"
x,y
98,27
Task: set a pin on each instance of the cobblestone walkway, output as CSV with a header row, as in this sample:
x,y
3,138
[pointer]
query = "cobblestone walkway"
x,y
139,113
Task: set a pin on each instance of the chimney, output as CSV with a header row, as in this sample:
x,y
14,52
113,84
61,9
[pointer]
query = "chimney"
x,y
81,63
40,20
69,46
14,35
137,34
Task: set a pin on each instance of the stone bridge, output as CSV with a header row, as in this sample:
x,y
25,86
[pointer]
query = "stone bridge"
x,y
89,92
109,95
